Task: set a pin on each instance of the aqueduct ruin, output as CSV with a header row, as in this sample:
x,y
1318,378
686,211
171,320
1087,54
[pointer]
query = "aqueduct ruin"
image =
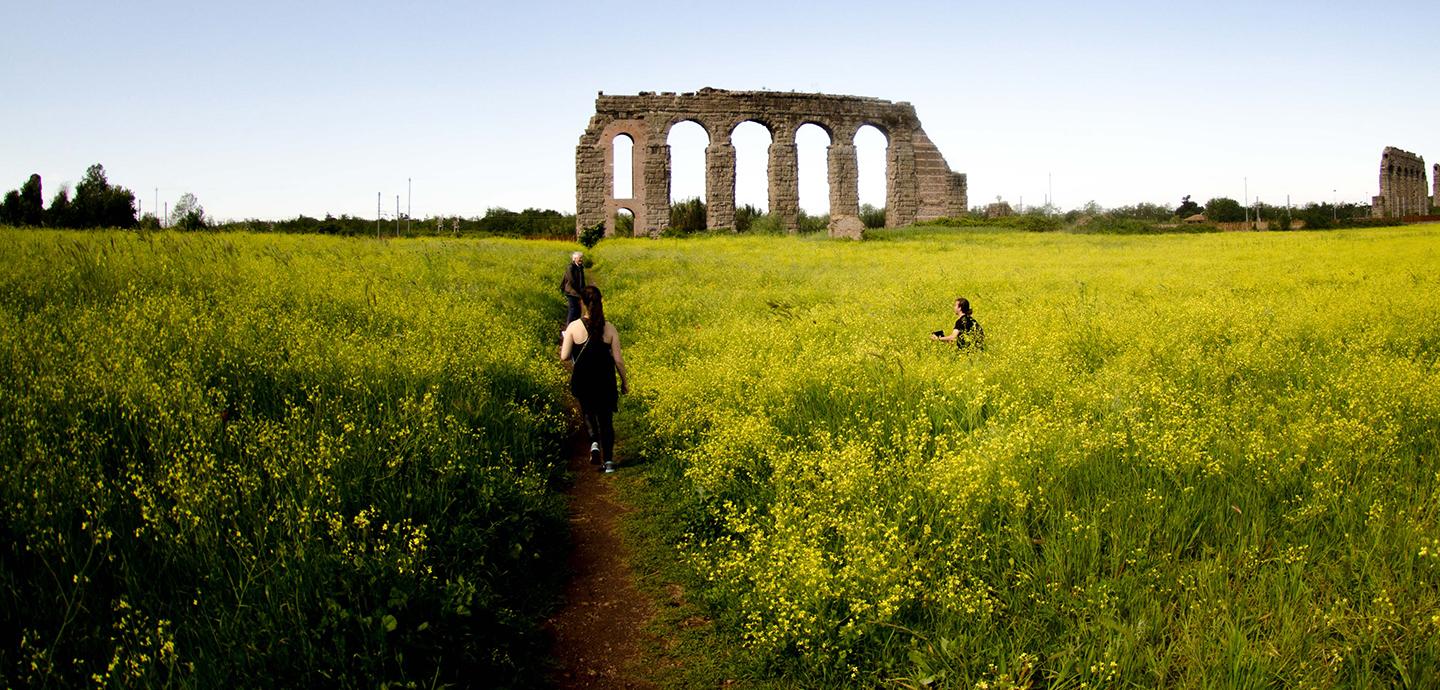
x,y
918,183
1402,185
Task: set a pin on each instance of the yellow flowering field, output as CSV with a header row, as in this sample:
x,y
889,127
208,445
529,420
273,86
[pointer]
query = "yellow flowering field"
x,y
276,461
1183,461
1187,461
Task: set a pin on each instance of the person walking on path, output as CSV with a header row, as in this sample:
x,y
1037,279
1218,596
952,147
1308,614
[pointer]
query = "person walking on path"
x,y
594,344
572,284
967,332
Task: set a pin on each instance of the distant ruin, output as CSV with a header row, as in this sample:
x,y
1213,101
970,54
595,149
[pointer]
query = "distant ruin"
x,y
918,182
1403,189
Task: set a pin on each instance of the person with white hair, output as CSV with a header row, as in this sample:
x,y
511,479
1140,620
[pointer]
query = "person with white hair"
x,y
572,284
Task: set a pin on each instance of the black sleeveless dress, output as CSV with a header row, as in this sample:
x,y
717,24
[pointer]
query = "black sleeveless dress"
x,y
593,380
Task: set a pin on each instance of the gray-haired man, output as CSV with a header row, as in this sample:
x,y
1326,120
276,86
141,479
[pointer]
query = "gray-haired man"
x,y
572,283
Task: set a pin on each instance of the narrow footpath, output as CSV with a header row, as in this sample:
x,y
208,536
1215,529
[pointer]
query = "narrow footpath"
x,y
599,636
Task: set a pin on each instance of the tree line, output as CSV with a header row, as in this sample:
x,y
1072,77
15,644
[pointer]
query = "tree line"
x,y
499,222
96,204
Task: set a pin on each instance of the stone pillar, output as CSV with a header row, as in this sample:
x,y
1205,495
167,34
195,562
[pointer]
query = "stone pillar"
x,y
720,185
785,178
1435,191
902,197
959,195
657,190
844,177
592,179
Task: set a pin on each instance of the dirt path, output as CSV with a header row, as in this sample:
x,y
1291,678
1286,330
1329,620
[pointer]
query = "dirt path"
x,y
599,641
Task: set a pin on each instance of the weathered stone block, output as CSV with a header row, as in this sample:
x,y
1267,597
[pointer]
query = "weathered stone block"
x,y
848,227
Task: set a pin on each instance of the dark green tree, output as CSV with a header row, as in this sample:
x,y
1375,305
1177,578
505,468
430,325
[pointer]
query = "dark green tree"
x,y
532,222
624,225
1224,210
1187,207
745,217
98,204
687,216
188,214
59,214
10,209
32,202
25,206
872,217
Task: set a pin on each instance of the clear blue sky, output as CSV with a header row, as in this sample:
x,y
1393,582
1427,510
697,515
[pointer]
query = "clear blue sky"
x,y
272,109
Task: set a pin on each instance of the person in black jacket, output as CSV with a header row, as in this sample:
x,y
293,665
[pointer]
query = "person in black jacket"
x,y
572,284
967,332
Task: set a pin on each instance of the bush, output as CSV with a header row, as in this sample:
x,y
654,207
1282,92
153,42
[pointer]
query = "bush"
x,y
591,236
745,216
809,224
532,222
686,217
873,218
766,224
624,225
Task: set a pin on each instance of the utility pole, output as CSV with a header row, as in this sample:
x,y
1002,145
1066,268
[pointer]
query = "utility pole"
x,y
408,191
1247,204
157,206
397,215
377,215
1334,207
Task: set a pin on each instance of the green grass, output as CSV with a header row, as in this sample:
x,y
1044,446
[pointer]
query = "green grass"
x,y
1182,461
236,460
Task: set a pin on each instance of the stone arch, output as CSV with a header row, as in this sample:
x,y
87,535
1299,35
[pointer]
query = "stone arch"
x,y
622,166
878,125
757,119
687,158
823,124
812,167
620,212
919,180
751,169
635,130
870,164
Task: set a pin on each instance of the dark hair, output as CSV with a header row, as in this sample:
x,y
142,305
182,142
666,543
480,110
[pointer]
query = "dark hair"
x,y
964,305
594,318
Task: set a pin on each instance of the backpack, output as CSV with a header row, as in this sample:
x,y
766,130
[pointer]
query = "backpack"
x,y
975,337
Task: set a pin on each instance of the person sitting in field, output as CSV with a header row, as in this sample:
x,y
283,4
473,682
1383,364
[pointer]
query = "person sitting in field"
x,y
595,345
967,332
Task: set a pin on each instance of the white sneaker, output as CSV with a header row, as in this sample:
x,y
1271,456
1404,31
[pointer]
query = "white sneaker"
x,y
594,453
609,467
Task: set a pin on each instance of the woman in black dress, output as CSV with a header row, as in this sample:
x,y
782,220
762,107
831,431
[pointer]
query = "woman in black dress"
x,y
594,344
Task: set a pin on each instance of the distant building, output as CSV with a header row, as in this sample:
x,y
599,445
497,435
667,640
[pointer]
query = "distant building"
x,y
999,209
